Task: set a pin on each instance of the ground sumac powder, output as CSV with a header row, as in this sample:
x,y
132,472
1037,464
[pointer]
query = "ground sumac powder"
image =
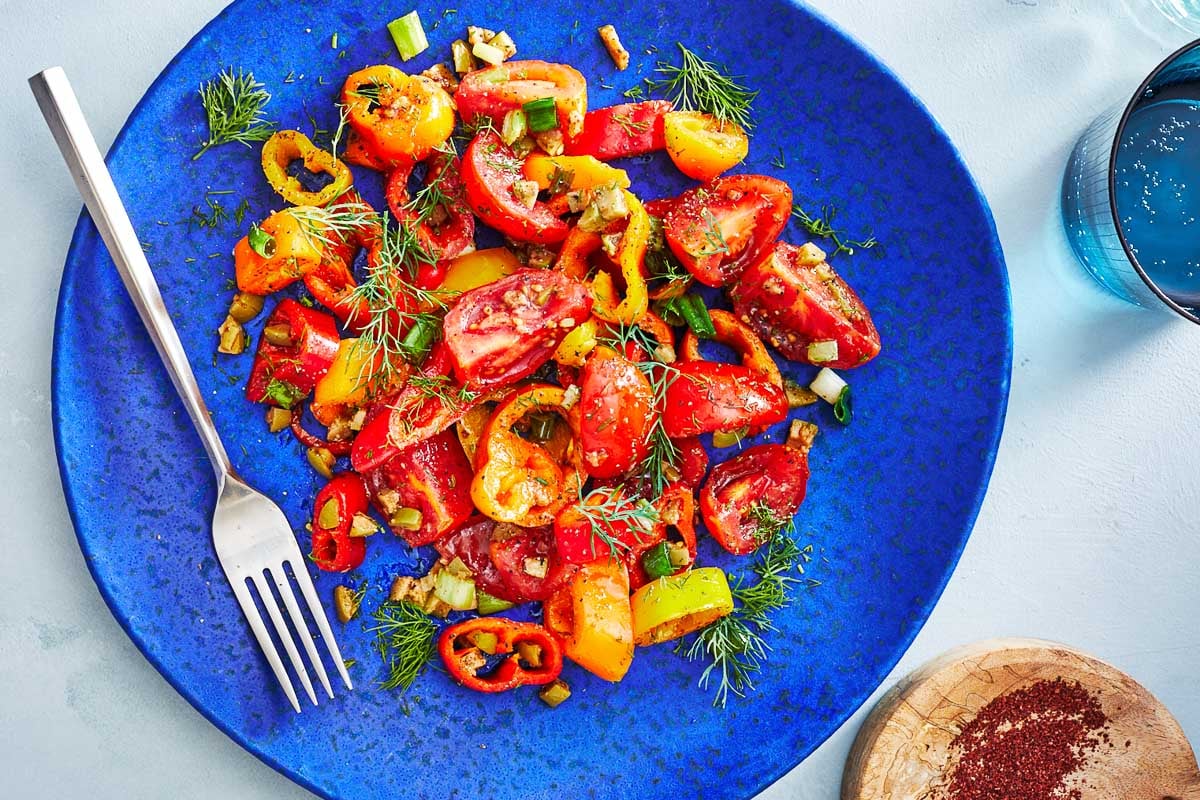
x,y
1024,744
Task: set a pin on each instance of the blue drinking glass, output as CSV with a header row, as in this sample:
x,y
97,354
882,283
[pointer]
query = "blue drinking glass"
x,y
1131,193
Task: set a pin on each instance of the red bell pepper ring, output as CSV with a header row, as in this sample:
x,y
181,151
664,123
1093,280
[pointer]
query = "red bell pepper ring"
x,y
311,440
447,231
676,508
708,396
773,476
629,129
578,542
434,477
491,92
333,548
463,657
295,368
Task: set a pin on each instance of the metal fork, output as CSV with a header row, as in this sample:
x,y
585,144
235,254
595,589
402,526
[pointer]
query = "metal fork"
x,y
253,539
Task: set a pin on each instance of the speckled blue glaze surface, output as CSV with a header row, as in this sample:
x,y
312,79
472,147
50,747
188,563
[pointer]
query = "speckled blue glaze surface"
x,y
891,500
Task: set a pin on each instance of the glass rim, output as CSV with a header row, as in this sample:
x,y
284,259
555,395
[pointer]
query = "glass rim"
x,y
1112,182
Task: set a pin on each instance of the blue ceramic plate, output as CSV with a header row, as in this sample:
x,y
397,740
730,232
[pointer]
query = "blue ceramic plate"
x,y
891,501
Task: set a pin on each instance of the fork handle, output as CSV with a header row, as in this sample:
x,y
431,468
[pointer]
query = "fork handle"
x,y
61,109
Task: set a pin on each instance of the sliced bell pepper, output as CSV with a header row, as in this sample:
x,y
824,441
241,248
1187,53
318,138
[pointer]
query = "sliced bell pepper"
x,y
630,258
593,616
291,253
479,268
333,548
629,129
347,381
465,648
399,117
573,350
734,333
521,481
297,347
572,173
432,477
580,535
677,605
282,149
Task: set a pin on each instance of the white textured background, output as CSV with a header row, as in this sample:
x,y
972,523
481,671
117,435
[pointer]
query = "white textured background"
x,y
1087,534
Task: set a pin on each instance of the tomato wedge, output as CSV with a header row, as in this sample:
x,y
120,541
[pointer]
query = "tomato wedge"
x,y
718,229
492,92
502,332
489,171
472,544
528,562
792,298
708,396
616,405
629,129
765,478
702,146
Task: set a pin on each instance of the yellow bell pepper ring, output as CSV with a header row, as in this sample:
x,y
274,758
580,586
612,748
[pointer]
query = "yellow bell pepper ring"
x,y
478,268
677,605
285,147
601,626
582,172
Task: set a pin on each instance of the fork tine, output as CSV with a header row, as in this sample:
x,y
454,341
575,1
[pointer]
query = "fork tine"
x,y
301,626
246,601
285,635
318,614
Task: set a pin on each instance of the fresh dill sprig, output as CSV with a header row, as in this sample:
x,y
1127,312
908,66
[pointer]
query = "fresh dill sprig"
x,y
606,509
391,294
733,645
214,216
442,389
233,106
635,92
767,521
631,127
404,638
699,85
322,224
714,237
433,196
822,227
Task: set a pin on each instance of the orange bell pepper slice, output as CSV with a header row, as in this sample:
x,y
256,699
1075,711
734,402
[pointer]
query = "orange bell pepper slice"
x,y
585,172
593,616
397,116
519,481
630,259
295,253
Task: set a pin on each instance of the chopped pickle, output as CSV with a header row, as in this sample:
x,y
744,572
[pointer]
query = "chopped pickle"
x,y
245,306
729,438
233,337
555,693
485,641
487,604
797,395
330,513
363,525
278,419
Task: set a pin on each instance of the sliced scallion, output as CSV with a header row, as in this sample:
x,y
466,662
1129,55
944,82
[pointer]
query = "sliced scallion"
x,y
541,427
696,315
828,385
842,411
408,35
261,242
541,114
420,338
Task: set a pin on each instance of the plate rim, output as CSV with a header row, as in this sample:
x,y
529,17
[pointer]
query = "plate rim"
x,y
85,234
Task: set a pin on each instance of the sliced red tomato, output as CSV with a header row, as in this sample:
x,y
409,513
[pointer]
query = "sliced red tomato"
x,y
629,129
693,461
764,482
489,171
708,396
718,229
492,92
616,406
528,561
432,476
472,543
502,332
792,298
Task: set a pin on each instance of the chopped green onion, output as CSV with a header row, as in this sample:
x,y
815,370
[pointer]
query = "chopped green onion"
x,y
828,385
657,561
419,340
823,352
487,54
541,115
541,426
408,35
489,604
513,127
729,438
454,590
260,241
842,411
